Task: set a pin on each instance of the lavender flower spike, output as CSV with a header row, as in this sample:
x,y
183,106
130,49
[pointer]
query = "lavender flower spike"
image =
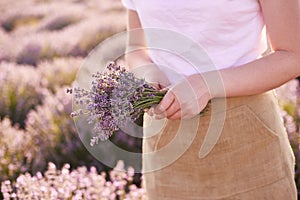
x,y
115,98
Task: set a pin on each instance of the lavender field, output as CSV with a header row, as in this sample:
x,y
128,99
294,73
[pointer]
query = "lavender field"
x,y
42,45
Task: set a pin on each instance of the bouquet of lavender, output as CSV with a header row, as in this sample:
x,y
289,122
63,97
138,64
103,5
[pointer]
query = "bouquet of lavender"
x,y
116,98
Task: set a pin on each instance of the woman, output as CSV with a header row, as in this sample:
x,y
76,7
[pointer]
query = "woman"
x,y
250,158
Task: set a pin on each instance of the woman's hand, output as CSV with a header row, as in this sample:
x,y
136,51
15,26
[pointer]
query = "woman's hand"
x,y
185,99
156,77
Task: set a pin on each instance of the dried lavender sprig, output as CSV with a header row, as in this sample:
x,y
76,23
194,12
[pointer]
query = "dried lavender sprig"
x,y
116,97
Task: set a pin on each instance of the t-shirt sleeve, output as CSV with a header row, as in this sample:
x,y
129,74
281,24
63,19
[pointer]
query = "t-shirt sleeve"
x,y
128,4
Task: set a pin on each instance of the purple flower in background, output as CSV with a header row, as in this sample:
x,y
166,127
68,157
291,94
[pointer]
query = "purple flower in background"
x,y
116,98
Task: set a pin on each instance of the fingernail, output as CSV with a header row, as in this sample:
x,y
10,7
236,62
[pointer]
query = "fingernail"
x,y
150,112
159,109
159,116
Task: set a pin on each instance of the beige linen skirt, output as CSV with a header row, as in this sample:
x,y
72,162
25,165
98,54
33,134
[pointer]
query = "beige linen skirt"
x,y
245,154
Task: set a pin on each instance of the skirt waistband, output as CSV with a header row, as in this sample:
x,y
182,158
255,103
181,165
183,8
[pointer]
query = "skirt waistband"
x,y
255,102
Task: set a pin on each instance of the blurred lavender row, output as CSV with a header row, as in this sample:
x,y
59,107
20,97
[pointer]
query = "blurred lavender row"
x,y
35,30
42,45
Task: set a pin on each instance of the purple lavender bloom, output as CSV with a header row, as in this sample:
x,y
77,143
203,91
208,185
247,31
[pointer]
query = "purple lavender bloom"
x,y
116,98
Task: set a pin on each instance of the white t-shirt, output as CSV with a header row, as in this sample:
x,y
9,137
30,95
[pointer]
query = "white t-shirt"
x,y
230,31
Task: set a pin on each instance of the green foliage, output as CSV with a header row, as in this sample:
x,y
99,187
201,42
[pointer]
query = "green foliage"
x,y
20,91
14,21
60,22
290,109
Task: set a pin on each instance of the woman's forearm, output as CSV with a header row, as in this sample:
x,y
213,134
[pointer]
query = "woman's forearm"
x,y
258,76
135,58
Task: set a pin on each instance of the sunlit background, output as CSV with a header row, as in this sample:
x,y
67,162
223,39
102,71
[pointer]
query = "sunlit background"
x,y
42,45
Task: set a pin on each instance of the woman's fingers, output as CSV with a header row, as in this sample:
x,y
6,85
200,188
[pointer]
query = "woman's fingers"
x,y
176,115
161,110
156,77
174,108
167,107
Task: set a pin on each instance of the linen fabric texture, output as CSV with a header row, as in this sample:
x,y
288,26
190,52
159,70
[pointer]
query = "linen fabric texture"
x,y
251,160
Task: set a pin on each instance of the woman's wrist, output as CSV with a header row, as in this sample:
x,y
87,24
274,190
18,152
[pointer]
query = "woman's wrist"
x,y
204,85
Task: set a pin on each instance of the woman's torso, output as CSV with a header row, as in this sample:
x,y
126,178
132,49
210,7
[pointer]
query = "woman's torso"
x,y
230,31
